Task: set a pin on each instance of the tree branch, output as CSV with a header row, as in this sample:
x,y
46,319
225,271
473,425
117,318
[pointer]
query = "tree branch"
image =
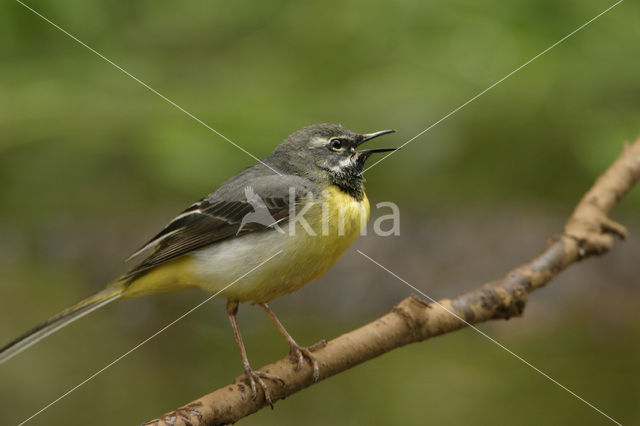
x,y
588,232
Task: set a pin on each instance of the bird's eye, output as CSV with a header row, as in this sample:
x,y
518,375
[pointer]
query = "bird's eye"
x,y
336,144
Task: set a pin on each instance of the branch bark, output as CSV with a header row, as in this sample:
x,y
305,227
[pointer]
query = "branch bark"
x,y
589,231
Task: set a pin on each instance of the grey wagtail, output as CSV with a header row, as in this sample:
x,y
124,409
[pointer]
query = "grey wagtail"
x,y
246,221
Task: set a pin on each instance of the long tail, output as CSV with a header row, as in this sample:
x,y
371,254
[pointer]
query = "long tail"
x,y
64,318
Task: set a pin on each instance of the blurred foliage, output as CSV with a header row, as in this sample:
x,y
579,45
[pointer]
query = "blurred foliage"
x,y
91,163
75,130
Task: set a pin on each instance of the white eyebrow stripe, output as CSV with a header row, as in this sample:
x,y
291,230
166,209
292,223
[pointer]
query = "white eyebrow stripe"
x,y
317,141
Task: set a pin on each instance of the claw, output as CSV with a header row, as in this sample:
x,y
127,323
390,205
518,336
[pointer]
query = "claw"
x,y
299,353
257,376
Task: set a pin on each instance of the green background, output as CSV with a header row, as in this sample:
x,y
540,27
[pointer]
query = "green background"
x,y
92,163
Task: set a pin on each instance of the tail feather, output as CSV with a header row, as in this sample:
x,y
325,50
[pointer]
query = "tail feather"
x,y
64,318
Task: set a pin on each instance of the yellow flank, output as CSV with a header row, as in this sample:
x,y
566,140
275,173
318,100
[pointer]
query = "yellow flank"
x,y
299,256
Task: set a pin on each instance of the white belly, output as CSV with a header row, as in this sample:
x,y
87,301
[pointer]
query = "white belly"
x,y
236,263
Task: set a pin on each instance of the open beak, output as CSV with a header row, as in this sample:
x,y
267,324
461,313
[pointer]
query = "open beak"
x,y
366,137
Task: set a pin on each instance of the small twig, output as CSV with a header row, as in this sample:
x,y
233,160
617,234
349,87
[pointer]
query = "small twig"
x,y
589,231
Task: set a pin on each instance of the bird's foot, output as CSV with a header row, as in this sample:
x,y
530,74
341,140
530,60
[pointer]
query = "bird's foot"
x,y
256,376
299,353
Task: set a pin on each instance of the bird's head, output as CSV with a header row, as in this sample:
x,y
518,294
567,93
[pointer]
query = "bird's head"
x,y
328,150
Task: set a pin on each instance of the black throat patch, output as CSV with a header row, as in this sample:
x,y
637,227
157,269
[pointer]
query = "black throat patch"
x,y
350,181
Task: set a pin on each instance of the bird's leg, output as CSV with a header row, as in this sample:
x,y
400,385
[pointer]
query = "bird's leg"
x,y
253,375
297,352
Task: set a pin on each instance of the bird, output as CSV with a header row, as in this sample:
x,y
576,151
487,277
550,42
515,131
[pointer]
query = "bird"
x,y
265,232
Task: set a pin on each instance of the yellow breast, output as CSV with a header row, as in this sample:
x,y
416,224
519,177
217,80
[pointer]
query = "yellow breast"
x,y
347,216
337,223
